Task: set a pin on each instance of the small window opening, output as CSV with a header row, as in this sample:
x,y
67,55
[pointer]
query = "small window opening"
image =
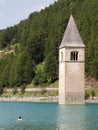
x,y
74,56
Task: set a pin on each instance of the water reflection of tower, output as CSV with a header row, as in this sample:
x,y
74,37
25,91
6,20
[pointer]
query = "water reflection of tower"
x,y
71,118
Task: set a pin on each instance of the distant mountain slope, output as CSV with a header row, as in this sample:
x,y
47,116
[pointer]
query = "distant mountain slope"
x,y
39,38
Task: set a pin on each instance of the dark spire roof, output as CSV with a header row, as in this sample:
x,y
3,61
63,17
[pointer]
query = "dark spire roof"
x,y
71,36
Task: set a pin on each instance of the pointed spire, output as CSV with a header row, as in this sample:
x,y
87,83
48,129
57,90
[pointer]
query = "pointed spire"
x,y
71,36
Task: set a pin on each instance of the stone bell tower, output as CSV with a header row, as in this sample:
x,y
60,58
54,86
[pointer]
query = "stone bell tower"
x,y
71,66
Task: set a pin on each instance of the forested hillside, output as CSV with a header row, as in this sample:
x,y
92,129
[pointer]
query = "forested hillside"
x,y
35,42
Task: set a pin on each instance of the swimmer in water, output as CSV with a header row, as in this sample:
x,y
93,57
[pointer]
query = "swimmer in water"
x,y
19,118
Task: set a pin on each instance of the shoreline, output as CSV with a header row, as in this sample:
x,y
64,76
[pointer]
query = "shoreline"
x,y
91,101
29,99
51,99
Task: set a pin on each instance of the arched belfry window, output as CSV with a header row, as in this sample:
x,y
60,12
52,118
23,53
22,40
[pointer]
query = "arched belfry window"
x,y
61,56
74,56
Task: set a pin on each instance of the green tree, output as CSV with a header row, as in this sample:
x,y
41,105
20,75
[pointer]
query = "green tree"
x,y
93,93
51,68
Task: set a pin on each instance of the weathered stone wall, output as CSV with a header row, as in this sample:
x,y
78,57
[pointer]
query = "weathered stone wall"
x,y
71,77
74,98
62,76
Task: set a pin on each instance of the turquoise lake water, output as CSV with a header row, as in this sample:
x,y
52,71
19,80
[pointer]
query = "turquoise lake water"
x,y
48,116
